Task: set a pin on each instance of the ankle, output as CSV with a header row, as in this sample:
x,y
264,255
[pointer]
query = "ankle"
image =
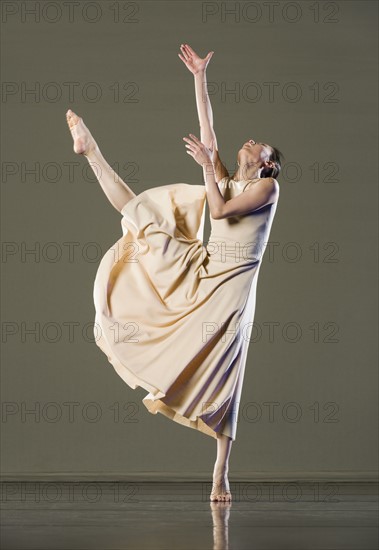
x,y
220,471
93,151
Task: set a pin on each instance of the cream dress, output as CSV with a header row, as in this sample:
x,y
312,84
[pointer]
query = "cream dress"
x,y
174,315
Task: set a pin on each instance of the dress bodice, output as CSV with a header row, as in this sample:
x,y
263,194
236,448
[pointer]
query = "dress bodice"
x,y
249,232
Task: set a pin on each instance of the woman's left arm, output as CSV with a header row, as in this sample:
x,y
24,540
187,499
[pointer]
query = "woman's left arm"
x,y
205,157
263,192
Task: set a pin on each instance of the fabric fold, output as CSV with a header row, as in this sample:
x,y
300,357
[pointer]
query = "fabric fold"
x,y
172,314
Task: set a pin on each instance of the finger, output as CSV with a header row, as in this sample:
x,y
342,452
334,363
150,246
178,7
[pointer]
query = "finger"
x,y
190,49
184,56
197,142
192,143
186,63
184,52
187,50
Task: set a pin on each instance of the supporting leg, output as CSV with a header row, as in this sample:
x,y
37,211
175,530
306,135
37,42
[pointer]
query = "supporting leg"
x,y
220,489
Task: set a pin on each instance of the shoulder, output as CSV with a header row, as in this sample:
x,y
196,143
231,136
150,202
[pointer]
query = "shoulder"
x,y
269,188
271,185
270,181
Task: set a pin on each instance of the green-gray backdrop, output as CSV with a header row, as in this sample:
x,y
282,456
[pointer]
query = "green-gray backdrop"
x,y
299,75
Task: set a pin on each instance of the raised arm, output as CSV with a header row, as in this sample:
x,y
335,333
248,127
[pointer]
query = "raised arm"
x,y
197,67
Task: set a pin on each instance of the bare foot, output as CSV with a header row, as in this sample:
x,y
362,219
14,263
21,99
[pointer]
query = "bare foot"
x,y
220,488
84,143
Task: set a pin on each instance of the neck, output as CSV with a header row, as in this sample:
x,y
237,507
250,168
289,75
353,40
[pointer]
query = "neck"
x,y
247,171
241,174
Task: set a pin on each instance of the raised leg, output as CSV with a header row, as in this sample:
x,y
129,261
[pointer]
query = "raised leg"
x,y
220,490
117,191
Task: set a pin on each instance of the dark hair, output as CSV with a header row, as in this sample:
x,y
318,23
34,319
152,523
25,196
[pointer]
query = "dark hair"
x,y
276,157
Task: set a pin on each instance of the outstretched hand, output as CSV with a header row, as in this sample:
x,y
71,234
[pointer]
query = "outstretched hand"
x,y
199,151
192,61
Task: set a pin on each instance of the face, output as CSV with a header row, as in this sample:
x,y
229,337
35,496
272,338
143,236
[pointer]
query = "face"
x,y
253,153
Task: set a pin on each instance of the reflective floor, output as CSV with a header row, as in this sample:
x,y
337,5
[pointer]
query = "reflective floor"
x,y
179,516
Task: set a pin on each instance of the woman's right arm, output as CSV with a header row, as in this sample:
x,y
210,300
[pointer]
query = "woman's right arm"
x,y
204,108
197,67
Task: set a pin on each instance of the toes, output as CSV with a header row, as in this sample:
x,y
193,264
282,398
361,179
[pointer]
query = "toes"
x,y
221,498
72,118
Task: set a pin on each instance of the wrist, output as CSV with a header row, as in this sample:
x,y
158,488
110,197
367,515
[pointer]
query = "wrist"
x,y
208,168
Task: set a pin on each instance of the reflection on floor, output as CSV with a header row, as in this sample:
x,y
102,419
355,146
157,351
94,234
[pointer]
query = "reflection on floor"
x,y
179,516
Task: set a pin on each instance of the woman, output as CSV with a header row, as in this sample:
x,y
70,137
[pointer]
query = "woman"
x,y
173,315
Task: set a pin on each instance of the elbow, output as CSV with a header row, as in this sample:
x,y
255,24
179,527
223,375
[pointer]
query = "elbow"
x,y
216,215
